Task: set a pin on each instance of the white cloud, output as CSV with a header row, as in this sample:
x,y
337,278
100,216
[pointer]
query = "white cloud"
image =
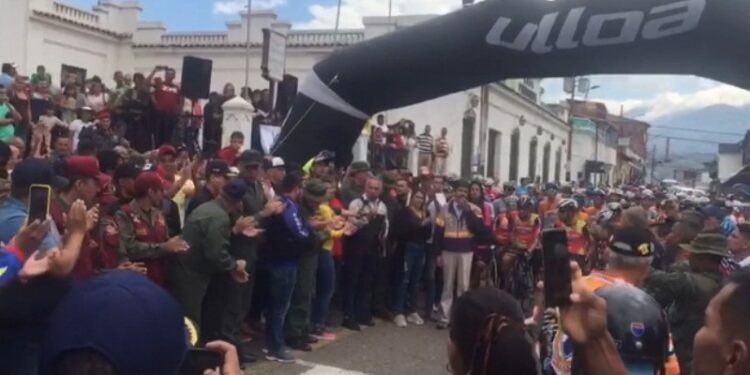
x,y
352,11
232,7
670,102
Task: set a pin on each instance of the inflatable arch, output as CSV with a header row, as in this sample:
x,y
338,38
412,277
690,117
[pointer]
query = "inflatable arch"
x,y
499,39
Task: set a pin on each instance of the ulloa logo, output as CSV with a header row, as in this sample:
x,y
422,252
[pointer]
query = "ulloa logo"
x,y
659,22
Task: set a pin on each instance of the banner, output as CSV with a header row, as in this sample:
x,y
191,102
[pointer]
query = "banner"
x,y
499,39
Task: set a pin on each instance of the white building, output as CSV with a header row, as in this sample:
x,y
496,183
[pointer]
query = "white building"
x,y
514,135
730,159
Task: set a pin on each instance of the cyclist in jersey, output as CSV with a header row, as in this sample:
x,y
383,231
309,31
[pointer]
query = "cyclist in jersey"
x,y
548,207
578,234
517,266
597,202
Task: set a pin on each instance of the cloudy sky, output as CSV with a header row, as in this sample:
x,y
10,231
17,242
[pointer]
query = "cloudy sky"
x,y
659,95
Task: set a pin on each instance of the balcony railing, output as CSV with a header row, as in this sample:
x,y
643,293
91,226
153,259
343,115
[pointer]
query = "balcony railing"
x,y
194,38
75,14
324,38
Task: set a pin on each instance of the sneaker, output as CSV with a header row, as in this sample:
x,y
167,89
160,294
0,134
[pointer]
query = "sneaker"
x,y
400,320
282,356
352,325
443,324
415,319
327,336
435,314
299,344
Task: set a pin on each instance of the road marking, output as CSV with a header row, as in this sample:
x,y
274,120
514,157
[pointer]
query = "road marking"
x,y
316,369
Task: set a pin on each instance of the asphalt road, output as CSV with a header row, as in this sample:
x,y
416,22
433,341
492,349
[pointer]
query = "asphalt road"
x,y
381,350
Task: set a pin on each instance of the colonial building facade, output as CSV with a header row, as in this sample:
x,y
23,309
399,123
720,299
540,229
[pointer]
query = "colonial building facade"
x,y
514,135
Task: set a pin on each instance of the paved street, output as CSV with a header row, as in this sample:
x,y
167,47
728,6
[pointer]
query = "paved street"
x,y
382,350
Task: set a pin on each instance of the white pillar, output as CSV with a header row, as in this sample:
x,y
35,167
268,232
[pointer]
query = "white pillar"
x,y
238,116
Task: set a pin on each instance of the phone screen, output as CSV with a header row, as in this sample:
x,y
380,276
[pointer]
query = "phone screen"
x,y
556,259
39,200
198,360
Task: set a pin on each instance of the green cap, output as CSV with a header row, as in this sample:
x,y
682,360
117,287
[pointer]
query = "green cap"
x,y
708,243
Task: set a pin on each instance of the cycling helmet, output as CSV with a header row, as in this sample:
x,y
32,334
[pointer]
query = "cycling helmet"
x,y
567,204
604,216
637,324
551,187
524,202
597,193
580,199
614,206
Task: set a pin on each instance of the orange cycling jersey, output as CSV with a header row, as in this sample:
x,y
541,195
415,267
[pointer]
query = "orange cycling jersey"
x,y
502,230
525,233
578,240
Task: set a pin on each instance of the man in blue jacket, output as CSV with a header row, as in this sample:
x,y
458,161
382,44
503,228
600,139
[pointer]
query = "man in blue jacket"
x,y
289,236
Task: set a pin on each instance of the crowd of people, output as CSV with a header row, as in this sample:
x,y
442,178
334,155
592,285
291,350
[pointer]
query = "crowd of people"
x,y
142,249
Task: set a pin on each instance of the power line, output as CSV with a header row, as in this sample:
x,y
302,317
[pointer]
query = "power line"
x,y
698,130
685,139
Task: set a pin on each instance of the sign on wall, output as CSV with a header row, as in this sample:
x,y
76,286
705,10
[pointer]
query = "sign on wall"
x,y
273,63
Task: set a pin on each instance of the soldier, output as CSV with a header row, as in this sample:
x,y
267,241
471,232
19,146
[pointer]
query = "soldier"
x,y
685,294
143,230
82,173
207,231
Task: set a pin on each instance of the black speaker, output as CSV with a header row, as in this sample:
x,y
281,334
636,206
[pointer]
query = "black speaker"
x,y
196,77
287,93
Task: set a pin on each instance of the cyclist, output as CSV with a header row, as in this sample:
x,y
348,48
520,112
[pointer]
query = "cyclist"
x,y
578,234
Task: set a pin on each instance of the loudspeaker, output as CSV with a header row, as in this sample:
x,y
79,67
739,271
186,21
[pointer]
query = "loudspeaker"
x,y
287,93
196,77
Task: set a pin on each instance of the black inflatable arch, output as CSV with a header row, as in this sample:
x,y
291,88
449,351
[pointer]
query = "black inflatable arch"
x,y
499,39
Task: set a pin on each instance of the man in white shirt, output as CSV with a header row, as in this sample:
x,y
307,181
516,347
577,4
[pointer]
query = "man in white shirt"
x,y
739,245
84,120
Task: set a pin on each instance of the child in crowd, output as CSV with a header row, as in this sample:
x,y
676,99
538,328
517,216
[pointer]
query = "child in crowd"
x,y
230,153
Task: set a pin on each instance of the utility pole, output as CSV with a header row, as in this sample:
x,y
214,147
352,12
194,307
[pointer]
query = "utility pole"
x,y
568,174
247,52
653,164
666,157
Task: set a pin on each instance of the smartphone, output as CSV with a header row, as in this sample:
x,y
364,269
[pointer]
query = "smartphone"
x,y
556,263
198,360
39,202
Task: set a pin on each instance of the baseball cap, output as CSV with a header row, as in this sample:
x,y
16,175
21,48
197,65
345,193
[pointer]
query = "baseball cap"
x,y
359,166
714,211
148,181
234,190
82,166
214,167
86,109
323,156
130,321
103,114
633,242
251,157
36,171
126,170
167,150
277,162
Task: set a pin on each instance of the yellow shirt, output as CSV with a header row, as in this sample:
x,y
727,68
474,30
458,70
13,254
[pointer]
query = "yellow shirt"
x,y
326,212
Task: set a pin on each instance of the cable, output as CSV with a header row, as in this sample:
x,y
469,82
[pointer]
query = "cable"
x,y
685,139
696,130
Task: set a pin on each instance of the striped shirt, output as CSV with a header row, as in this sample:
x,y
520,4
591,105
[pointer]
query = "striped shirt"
x,y
424,143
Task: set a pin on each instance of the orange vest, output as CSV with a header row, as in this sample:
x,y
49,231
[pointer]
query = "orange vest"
x,y
525,233
577,240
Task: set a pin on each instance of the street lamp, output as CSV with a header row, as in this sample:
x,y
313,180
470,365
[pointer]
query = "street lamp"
x,y
592,88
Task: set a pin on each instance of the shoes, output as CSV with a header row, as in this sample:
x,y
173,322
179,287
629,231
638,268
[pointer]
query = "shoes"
x,y
415,319
435,314
283,356
350,324
299,344
247,357
400,321
442,325
309,339
369,323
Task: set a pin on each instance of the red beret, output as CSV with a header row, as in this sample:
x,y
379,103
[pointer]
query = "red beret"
x,y
82,166
148,181
103,114
167,150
